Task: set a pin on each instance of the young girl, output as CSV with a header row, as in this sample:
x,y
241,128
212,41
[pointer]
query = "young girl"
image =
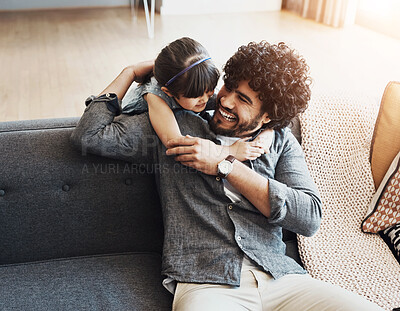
x,y
185,77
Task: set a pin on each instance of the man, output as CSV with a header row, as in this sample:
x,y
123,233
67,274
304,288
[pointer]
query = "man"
x,y
223,219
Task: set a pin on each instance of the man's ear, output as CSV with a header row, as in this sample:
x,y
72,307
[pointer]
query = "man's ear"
x,y
266,119
166,91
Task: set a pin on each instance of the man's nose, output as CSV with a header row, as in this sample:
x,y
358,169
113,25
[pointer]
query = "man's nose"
x,y
227,101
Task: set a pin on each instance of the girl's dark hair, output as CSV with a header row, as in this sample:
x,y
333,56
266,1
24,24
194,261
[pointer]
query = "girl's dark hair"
x,y
177,56
277,73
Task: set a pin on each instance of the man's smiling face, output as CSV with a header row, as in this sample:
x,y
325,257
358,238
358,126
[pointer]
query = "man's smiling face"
x,y
239,112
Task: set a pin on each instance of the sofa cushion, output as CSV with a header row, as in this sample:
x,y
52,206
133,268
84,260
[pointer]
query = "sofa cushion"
x,y
392,238
386,139
130,281
384,210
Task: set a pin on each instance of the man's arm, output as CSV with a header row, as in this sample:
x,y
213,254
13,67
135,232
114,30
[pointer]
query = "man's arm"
x,y
203,155
101,131
252,186
290,199
294,198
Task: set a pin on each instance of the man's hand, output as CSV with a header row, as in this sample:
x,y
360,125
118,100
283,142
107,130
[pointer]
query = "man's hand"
x,y
201,154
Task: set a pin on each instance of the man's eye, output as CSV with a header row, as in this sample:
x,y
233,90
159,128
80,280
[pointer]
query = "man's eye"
x,y
242,99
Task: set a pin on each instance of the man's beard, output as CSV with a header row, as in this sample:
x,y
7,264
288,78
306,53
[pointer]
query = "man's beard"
x,y
238,129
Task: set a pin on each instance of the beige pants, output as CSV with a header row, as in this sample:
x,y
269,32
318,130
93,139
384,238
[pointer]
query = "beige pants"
x,y
259,291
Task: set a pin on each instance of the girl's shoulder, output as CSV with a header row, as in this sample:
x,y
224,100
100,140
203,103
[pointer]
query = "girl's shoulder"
x,y
151,85
154,87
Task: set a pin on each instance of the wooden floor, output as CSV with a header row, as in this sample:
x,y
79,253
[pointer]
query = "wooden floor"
x,y
52,60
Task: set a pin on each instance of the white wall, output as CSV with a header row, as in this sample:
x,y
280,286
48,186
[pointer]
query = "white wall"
x,y
40,4
169,7
178,7
382,16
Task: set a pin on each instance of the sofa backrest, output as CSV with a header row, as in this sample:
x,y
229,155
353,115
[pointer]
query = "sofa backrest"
x,y
55,202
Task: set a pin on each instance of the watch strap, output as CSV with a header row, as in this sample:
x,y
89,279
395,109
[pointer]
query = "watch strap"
x,y
230,158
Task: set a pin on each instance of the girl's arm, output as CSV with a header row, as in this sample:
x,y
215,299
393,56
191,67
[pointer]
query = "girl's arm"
x,y
164,123
249,150
124,80
162,119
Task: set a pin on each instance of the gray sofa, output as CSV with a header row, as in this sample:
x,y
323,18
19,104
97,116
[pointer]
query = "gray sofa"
x,y
78,232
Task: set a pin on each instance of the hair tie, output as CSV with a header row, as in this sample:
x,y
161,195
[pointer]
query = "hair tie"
x,y
186,69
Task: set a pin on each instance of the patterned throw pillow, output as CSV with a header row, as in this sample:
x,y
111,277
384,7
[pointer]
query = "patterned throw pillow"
x,y
392,238
384,210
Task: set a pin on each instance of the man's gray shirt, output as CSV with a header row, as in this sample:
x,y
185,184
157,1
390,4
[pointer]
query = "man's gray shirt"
x,y
206,235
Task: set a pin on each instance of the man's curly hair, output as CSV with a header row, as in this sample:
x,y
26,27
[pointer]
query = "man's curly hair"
x,y
278,73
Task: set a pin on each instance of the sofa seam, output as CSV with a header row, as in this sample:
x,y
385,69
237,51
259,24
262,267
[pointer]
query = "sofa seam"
x,y
155,254
37,129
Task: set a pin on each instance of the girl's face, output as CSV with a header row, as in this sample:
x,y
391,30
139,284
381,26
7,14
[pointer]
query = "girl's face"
x,y
194,104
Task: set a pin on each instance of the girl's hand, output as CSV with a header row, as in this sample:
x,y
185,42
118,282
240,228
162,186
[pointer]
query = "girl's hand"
x,y
129,74
243,150
142,69
265,139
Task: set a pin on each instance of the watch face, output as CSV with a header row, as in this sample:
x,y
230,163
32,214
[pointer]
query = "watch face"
x,y
224,167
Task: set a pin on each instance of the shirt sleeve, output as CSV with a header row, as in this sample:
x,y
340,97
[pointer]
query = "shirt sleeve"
x,y
102,130
133,102
294,199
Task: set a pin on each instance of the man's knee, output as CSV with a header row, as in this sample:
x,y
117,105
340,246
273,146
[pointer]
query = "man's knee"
x,y
200,297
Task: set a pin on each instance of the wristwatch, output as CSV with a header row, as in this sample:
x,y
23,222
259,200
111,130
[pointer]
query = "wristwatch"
x,y
225,166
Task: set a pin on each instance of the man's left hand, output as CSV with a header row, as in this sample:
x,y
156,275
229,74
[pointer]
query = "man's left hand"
x,y
201,154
